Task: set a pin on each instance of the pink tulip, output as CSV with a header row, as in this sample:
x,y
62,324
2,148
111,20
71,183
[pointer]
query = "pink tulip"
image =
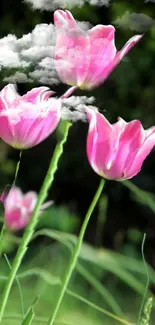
x,y
85,59
117,151
27,120
18,207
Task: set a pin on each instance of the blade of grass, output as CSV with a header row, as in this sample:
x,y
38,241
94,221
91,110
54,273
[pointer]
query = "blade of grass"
x,y
19,287
30,314
105,293
92,255
46,277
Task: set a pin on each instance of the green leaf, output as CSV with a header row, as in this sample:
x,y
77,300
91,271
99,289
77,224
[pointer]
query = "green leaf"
x,y
30,314
28,318
141,196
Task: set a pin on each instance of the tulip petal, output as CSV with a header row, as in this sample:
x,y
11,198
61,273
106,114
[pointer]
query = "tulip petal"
x,y
18,207
85,59
30,118
72,49
98,140
30,132
6,130
142,153
119,56
29,200
64,19
14,219
130,141
102,52
9,93
117,151
36,95
3,104
14,195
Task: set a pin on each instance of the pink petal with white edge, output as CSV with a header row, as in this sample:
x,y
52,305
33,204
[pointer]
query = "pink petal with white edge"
x,y
142,153
30,200
9,93
6,130
14,195
129,143
31,132
119,56
19,207
72,58
72,49
102,51
32,117
3,104
98,140
102,32
36,95
64,19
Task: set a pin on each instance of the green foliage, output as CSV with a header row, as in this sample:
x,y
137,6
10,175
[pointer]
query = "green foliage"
x,y
30,314
107,261
59,218
141,196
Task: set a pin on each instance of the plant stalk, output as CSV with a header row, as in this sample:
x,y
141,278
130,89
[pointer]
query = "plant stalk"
x,y
76,251
34,219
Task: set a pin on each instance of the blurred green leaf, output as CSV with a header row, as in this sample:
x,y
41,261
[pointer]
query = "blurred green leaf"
x,y
58,218
30,314
101,258
141,196
29,318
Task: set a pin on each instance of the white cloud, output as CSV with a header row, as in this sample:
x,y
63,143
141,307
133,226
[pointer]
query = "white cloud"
x,y
9,54
135,21
44,76
50,5
73,108
34,51
18,77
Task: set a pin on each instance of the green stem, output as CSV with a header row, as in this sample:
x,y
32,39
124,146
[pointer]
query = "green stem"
x,y
19,287
34,219
17,168
76,251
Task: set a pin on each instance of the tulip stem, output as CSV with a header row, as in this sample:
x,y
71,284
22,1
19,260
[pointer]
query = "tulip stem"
x,y
76,251
17,168
34,219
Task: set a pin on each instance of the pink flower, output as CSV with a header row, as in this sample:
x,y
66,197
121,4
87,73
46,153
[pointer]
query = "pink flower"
x,y
18,207
117,151
27,120
85,59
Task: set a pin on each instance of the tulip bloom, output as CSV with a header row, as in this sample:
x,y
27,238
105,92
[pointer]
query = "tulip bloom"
x,y
18,207
86,58
117,151
27,120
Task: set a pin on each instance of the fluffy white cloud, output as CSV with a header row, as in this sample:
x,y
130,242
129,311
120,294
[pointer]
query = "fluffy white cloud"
x,y
73,108
18,77
135,21
33,53
54,4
